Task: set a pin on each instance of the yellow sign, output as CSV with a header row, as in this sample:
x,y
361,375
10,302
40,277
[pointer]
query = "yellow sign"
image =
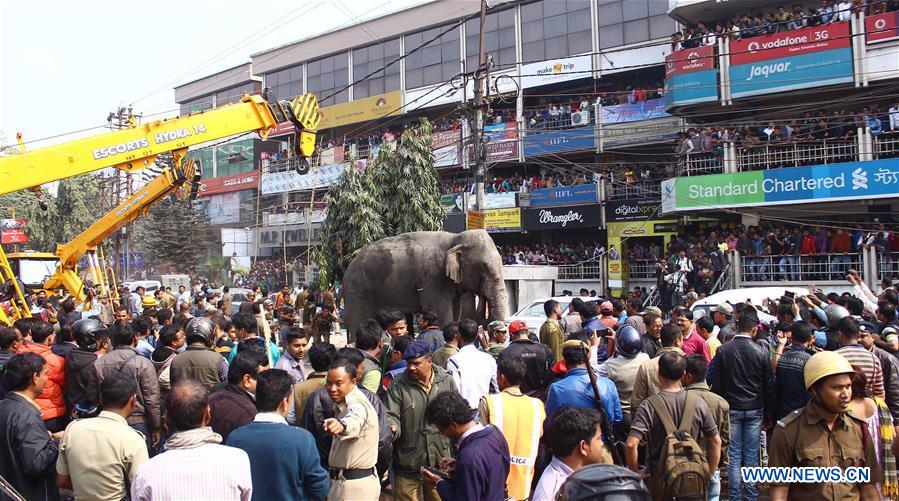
x,y
360,110
618,233
476,220
503,219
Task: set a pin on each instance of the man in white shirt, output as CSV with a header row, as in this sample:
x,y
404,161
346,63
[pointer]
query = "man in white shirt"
x,y
474,371
894,116
183,297
194,465
574,435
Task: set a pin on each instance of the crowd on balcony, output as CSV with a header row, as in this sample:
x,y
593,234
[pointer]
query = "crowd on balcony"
x,y
754,24
551,254
516,183
557,112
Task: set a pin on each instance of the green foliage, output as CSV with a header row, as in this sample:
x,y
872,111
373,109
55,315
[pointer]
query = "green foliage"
x,y
398,193
217,268
174,231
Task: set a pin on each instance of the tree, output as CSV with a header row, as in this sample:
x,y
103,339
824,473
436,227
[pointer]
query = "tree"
x,y
398,193
174,231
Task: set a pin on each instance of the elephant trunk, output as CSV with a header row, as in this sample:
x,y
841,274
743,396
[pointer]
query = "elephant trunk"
x,y
497,300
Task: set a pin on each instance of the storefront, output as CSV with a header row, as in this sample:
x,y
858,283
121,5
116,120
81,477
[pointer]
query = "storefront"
x,y
628,221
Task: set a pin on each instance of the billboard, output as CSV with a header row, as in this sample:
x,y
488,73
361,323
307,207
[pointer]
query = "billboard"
x,y
502,220
280,182
556,70
797,59
564,195
643,110
640,209
815,183
691,76
12,231
660,129
882,27
561,218
537,143
360,110
224,184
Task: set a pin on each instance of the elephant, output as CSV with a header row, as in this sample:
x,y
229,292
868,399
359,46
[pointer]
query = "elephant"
x,y
436,270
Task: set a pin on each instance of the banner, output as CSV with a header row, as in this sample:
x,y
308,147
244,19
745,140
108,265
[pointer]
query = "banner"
x,y
12,231
333,155
691,76
280,182
224,184
797,59
476,220
882,27
448,202
643,110
816,183
561,218
556,70
564,195
498,151
360,110
503,220
662,129
447,156
224,208
537,143
640,209
287,235
446,138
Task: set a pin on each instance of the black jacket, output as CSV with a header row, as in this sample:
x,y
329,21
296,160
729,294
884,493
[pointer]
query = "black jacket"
x,y
538,360
743,375
27,453
320,407
82,385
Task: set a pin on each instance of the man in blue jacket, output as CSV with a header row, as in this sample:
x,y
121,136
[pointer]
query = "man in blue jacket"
x,y
482,465
284,462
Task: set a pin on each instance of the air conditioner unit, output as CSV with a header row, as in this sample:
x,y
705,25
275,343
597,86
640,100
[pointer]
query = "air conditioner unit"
x,y
580,118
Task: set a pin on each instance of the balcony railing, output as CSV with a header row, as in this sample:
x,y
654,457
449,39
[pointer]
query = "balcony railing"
x,y
641,268
581,271
650,188
801,268
700,164
775,156
886,145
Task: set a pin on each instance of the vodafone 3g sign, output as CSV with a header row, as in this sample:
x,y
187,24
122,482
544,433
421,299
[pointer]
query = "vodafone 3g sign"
x,y
790,43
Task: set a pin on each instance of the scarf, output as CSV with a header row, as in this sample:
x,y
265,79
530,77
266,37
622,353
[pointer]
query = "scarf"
x,y
193,438
887,460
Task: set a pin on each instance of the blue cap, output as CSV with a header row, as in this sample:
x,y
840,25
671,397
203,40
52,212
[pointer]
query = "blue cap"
x,y
821,338
419,348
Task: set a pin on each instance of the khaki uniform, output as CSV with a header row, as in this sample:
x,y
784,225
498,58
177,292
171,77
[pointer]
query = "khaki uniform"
x,y
98,454
355,449
443,354
802,439
646,382
720,410
304,389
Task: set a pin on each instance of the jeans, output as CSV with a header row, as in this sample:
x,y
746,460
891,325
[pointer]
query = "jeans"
x,y
788,268
745,432
715,486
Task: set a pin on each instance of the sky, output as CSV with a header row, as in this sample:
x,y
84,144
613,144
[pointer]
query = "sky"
x,y
67,64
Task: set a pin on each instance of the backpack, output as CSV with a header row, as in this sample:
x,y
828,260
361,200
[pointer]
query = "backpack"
x,y
682,470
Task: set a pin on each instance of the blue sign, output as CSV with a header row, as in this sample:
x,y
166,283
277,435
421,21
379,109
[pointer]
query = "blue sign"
x,y
874,179
643,110
565,195
581,138
689,88
815,69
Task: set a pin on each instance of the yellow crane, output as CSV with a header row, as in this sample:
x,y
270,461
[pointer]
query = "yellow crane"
x,y
134,148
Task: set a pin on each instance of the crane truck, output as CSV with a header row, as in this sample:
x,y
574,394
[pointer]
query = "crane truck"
x,y
132,149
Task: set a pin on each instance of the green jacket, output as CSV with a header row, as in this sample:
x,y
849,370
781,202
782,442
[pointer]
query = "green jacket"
x,y
416,442
552,335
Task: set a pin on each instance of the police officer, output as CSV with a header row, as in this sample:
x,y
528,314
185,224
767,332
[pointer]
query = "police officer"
x,y
354,450
824,434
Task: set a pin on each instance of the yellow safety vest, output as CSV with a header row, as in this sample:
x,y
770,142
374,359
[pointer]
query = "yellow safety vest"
x,y
520,419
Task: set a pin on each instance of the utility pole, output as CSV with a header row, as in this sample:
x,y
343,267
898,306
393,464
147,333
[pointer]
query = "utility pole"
x,y
120,189
481,80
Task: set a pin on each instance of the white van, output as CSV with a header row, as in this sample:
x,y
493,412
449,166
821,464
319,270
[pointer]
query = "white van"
x,y
756,295
150,286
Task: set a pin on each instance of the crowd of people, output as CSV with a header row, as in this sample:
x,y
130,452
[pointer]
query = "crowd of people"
x,y
557,113
186,395
266,272
516,182
750,25
550,254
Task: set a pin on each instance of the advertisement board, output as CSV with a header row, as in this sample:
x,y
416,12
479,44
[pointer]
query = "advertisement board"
x,y
12,231
815,183
543,143
643,110
443,138
447,156
564,195
562,218
476,220
502,220
453,203
287,235
661,129
556,70
280,182
797,59
882,27
224,184
640,209
224,208
691,76
360,110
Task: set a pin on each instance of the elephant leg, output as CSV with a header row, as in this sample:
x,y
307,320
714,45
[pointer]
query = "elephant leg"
x,y
440,300
467,306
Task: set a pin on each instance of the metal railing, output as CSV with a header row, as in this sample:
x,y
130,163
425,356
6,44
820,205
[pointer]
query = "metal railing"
x,y
650,188
653,299
802,268
723,282
793,154
581,271
641,268
700,164
886,145
887,265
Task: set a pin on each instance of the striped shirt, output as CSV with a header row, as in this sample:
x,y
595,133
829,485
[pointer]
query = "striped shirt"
x,y
857,355
207,472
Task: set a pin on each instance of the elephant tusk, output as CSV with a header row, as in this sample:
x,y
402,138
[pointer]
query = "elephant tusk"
x,y
419,290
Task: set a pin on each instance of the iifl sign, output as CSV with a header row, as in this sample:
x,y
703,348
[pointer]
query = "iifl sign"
x,y
797,59
690,76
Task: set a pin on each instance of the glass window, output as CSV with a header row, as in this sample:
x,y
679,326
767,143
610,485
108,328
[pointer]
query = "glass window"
x,y
499,35
635,9
436,62
234,158
611,36
609,13
326,75
661,27
286,83
195,105
234,94
204,155
636,31
555,28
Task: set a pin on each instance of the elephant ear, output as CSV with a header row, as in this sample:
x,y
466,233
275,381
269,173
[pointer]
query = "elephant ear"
x,y
454,264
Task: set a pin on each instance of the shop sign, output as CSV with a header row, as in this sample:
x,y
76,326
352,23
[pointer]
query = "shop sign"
x,y
503,220
632,210
564,195
225,184
556,70
561,218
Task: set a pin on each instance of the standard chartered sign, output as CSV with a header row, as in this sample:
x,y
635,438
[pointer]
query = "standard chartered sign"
x,y
817,183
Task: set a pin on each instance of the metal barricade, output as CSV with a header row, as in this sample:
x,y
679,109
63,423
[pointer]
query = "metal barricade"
x,y
580,271
802,268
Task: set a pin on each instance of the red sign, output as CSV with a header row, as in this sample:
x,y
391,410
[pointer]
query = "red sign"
x,y
882,27
12,231
690,60
445,138
282,129
224,184
790,43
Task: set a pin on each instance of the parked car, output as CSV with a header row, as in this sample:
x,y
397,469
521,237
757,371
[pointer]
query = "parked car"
x,y
150,286
532,314
756,295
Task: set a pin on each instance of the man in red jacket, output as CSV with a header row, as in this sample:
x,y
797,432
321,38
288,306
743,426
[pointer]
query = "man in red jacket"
x,y
51,400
